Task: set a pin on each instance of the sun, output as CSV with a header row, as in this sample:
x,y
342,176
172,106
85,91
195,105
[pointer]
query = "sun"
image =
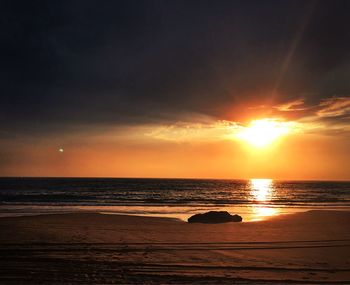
x,y
263,132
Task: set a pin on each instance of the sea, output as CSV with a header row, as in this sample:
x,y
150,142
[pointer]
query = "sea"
x,y
253,199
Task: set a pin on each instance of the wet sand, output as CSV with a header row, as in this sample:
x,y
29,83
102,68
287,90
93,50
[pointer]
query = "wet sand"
x,y
90,248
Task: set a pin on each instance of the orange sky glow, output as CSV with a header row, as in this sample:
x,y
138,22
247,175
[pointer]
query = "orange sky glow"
x,y
274,148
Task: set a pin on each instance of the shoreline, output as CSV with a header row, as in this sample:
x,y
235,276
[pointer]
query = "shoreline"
x,y
255,212
318,221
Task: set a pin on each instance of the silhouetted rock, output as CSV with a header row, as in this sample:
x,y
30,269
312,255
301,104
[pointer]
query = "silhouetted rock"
x,y
214,217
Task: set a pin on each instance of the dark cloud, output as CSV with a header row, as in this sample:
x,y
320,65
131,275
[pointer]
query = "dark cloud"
x,y
71,63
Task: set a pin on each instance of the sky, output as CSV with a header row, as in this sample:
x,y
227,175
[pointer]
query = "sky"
x,y
167,88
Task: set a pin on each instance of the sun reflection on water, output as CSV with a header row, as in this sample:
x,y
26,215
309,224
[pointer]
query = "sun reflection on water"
x,y
261,189
261,193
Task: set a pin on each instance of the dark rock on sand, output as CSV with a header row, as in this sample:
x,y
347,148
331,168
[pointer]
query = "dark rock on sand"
x,y
214,217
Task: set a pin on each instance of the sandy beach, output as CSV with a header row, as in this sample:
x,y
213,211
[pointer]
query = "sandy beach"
x,y
304,248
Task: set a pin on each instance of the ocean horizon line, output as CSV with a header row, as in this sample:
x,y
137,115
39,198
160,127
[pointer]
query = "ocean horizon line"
x,y
174,178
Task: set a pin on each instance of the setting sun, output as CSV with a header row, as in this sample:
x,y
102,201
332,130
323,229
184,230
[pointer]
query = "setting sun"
x,y
261,133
